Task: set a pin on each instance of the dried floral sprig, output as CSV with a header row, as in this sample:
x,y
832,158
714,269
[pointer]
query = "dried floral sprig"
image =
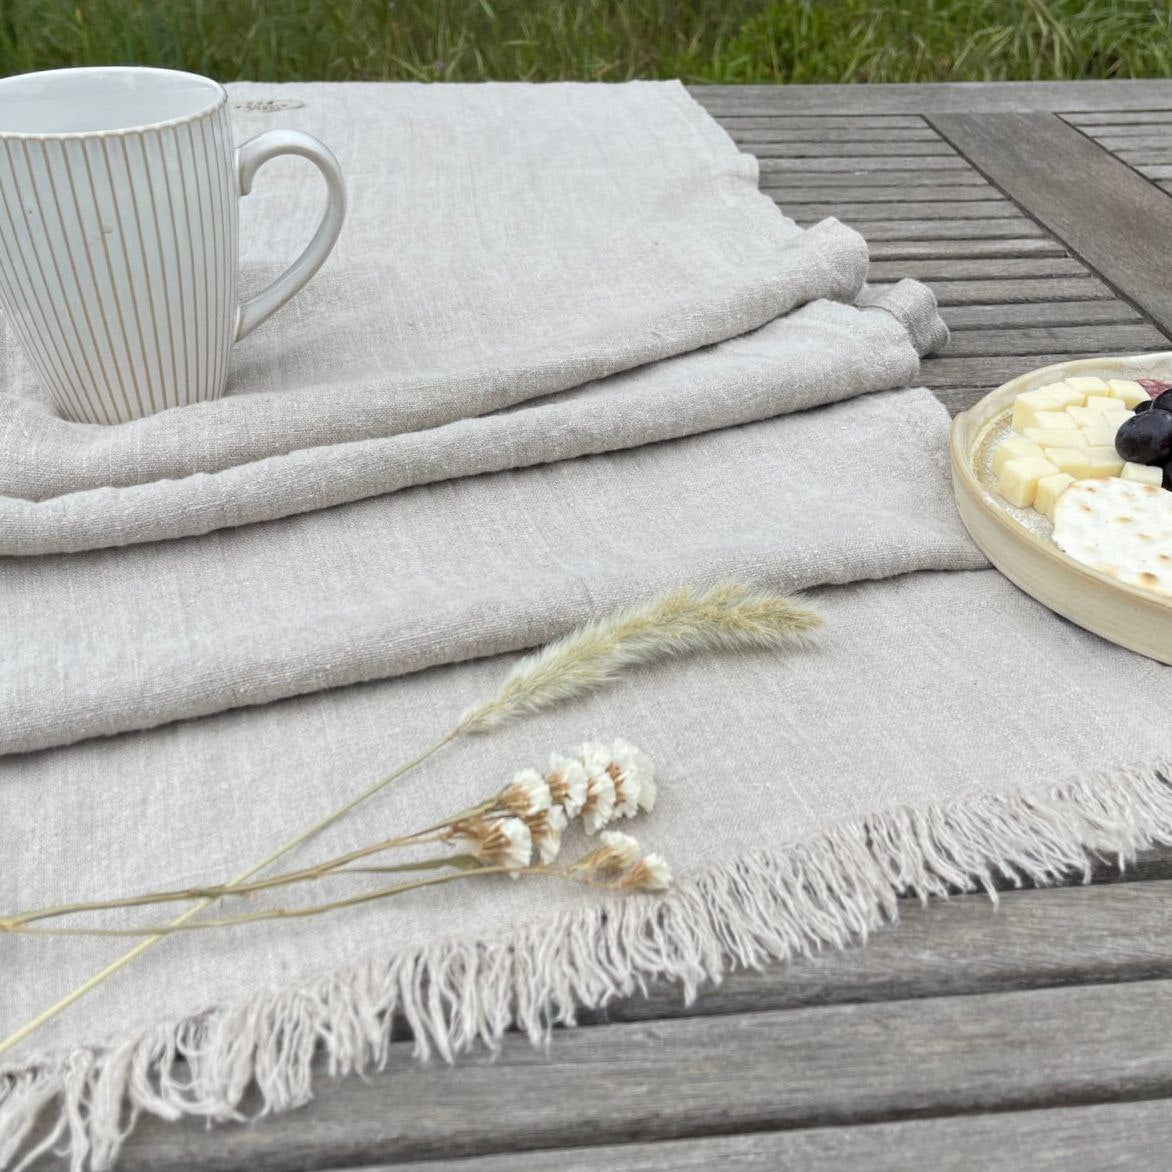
x,y
685,621
615,866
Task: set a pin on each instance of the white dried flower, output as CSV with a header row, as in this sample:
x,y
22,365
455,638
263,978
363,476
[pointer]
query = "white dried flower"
x,y
499,842
615,854
650,873
600,798
546,828
638,771
567,783
527,794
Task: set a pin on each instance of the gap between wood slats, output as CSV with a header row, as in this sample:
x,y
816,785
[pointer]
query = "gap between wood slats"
x,y
1026,340
1108,1137
821,122
695,1077
965,373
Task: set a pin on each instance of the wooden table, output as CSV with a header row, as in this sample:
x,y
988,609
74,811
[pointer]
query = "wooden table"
x,y
1036,1035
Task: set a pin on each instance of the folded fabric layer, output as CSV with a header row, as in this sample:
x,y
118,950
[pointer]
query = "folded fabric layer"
x,y
797,795
503,242
129,638
823,352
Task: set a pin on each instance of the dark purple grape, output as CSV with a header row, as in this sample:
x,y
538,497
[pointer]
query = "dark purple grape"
x,y
1163,401
1143,405
1146,438
1168,475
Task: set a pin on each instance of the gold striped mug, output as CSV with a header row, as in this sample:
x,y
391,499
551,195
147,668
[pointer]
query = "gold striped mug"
x,y
119,192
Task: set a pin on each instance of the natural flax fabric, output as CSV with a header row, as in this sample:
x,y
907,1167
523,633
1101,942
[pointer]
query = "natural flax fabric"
x,y
576,360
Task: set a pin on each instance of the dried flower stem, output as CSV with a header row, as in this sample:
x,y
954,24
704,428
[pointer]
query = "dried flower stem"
x,y
687,620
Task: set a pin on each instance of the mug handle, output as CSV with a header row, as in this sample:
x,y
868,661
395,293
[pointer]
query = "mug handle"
x,y
250,157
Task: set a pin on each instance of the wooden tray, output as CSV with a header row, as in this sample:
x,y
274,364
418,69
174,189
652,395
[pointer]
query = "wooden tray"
x,y
1017,541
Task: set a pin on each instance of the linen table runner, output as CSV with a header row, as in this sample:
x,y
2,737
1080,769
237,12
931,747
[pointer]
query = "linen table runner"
x,y
577,359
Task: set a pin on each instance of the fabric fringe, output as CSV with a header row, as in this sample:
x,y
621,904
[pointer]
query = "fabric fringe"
x,y
831,890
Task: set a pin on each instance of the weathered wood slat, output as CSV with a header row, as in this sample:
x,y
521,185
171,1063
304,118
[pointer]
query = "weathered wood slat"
x,y
1015,229
777,130
871,178
974,209
985,371
976,191
859,149
903,163
939,97
1011,291
1102,119
967,269
1113,1137
1046,313
897,249
698,1076
1108,215
1155,170
824,121
1136,142
1134,337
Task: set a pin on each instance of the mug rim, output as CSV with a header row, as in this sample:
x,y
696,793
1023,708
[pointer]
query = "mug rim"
x,y
221,99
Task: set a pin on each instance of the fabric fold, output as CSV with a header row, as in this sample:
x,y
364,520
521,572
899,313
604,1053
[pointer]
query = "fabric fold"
x,y
102,642
822,352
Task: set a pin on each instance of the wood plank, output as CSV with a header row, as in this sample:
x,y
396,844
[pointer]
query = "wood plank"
x,y
978,191
962,97
1145,158
852,149
1103,339
970,269
905,163
1118,223
650,1081
825,121
1045,313
777,130
974,209
872,178
987,372
1156,170
1011,291
1111,1137
1119,117
1135,142
1015,229
897,249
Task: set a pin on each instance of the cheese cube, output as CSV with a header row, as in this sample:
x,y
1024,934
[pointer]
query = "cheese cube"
x,y
1050,419
1102,403
1056,437
1104,461
1073,461
1050,488
1088,384
1011,449
1143,473
1084,416
1128,390
1101,435
1027,405
1019,478
1067,395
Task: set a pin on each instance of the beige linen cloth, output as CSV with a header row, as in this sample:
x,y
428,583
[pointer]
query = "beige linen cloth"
x,y
256,669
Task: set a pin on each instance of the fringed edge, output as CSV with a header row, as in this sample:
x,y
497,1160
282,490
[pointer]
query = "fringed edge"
x,y
831,890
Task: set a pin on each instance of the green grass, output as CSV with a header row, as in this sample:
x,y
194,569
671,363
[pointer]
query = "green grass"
x,y
701,40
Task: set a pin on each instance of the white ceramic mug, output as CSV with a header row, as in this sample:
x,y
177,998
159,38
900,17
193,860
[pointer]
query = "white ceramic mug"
x,y
118,235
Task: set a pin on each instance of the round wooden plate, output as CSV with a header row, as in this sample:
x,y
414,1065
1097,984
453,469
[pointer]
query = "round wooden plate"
x,y
1017,541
